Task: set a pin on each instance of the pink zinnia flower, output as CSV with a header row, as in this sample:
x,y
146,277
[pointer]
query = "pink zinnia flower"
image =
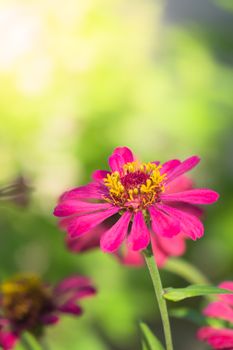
x,y
28,304
222,337
163,247
139,193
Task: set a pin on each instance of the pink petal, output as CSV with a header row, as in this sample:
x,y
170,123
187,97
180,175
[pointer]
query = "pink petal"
x,y
8,340
82,224
228,298
71,308
160,258
72,297
116,162
190,224
125,153
167,167
86,242
130,258
185,166
188,208
139,237
99,175
112,239
72,283
64,223
218,338
180,184
174,246
70,207
164,224
85,292
90,191
119,157
164,247
220,310
72,289
195,196
159,255
49,319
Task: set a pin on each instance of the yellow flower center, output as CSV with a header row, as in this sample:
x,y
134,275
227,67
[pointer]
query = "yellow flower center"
x,y
136,187
24,299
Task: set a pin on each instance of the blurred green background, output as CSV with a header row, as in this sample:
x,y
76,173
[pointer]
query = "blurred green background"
x,y
79,78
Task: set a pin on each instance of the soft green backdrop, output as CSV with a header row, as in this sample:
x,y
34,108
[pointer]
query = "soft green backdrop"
x,y
78,79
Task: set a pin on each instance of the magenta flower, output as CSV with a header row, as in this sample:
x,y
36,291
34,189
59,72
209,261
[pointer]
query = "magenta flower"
x,y
139,192
8,338
28,304
163,247
220,337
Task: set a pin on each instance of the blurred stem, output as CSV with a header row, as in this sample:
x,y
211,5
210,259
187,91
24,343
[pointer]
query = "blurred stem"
x,y
155,276
25,343
186,270
29,342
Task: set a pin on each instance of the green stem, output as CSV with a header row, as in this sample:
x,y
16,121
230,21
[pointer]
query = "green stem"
x,y
26,345
187,271
29,342
154,274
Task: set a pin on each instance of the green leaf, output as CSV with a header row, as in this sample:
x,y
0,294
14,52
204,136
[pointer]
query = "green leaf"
x,y
149,340
177,294
28,341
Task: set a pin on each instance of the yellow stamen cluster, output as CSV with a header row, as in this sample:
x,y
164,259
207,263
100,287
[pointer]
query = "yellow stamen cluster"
x,y
20,284
112,181
137,186
23,296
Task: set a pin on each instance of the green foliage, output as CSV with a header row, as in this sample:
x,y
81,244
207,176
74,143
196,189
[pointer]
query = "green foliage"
x,y
77,79
178,294
149,340
28,342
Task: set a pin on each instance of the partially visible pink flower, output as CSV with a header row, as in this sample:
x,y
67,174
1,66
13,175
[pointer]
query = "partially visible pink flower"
x,y
8,338
217,338
139,192
222,309
28,304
